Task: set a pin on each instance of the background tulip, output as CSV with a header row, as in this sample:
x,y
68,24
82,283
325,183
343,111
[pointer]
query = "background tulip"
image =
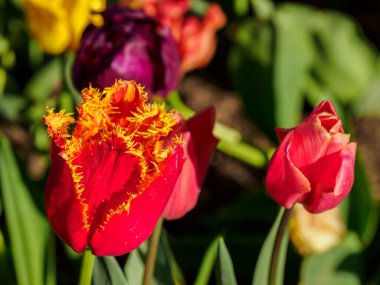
x,y
195,36
314,163
130,45
112,177
199,145
58,25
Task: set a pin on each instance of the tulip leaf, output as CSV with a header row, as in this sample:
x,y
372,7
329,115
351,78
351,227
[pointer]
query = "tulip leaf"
x,y
263,262
225,274
28,229
339,38
207,264
369,103
270,63
339,266
11,106
42,83
107,271
166,271
363,211
293,57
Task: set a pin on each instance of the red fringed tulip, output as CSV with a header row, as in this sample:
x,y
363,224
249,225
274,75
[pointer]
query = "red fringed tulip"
x,y
199,145
314,163
113,174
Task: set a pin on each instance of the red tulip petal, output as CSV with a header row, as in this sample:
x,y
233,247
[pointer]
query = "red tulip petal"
x,y
199,147
126,231
110,178
63,209
285,183
281,133
309,142
334,176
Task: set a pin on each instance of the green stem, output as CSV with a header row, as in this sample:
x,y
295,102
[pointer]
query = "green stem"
x,y
230,140
87,267
152,253
68,60
277,246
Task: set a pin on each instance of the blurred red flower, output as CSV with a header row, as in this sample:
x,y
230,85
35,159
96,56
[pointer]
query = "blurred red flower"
x,y
195,36
314,163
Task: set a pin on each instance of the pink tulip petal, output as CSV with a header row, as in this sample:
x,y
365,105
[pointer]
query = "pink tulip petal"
x,y
199,146
334,177
309,142
285,183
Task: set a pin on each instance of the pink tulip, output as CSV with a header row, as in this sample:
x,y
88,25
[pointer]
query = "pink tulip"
x,y
314,164
199,144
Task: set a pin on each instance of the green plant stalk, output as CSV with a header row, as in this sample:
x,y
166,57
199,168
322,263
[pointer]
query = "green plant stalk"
x,y
86,268
272,279
68,60
152,253
230,140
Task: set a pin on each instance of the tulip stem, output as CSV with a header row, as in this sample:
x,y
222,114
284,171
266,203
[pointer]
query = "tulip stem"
x,y
152,253
230,140
277,247
87,267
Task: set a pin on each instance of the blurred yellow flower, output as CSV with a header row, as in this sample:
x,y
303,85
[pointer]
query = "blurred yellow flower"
x,y
57,25
315,233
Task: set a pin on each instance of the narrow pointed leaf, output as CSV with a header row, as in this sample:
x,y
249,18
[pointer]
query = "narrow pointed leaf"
x,y
28,229
225,274
207,264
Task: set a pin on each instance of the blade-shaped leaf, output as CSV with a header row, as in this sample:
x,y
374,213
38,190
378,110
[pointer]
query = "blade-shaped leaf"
x,y
225,274
262,266
107,271
207,264
28,229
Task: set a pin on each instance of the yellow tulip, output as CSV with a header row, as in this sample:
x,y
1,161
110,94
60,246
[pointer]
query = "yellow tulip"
x,y
57,25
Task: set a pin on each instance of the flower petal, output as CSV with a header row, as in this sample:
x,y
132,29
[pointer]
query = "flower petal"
x,y
285,182
63,209
135,226
333,181
199,147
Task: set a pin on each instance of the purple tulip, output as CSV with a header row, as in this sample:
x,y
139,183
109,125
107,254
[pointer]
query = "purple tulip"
x,y
130,45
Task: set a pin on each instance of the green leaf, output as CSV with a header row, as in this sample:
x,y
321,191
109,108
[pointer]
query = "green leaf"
x,y
166,271
241,7
339,40
363,211
369,103
338,266
11,106
107,271
263,262
293,57
207,264
28,229
270,63
43,82
225,274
